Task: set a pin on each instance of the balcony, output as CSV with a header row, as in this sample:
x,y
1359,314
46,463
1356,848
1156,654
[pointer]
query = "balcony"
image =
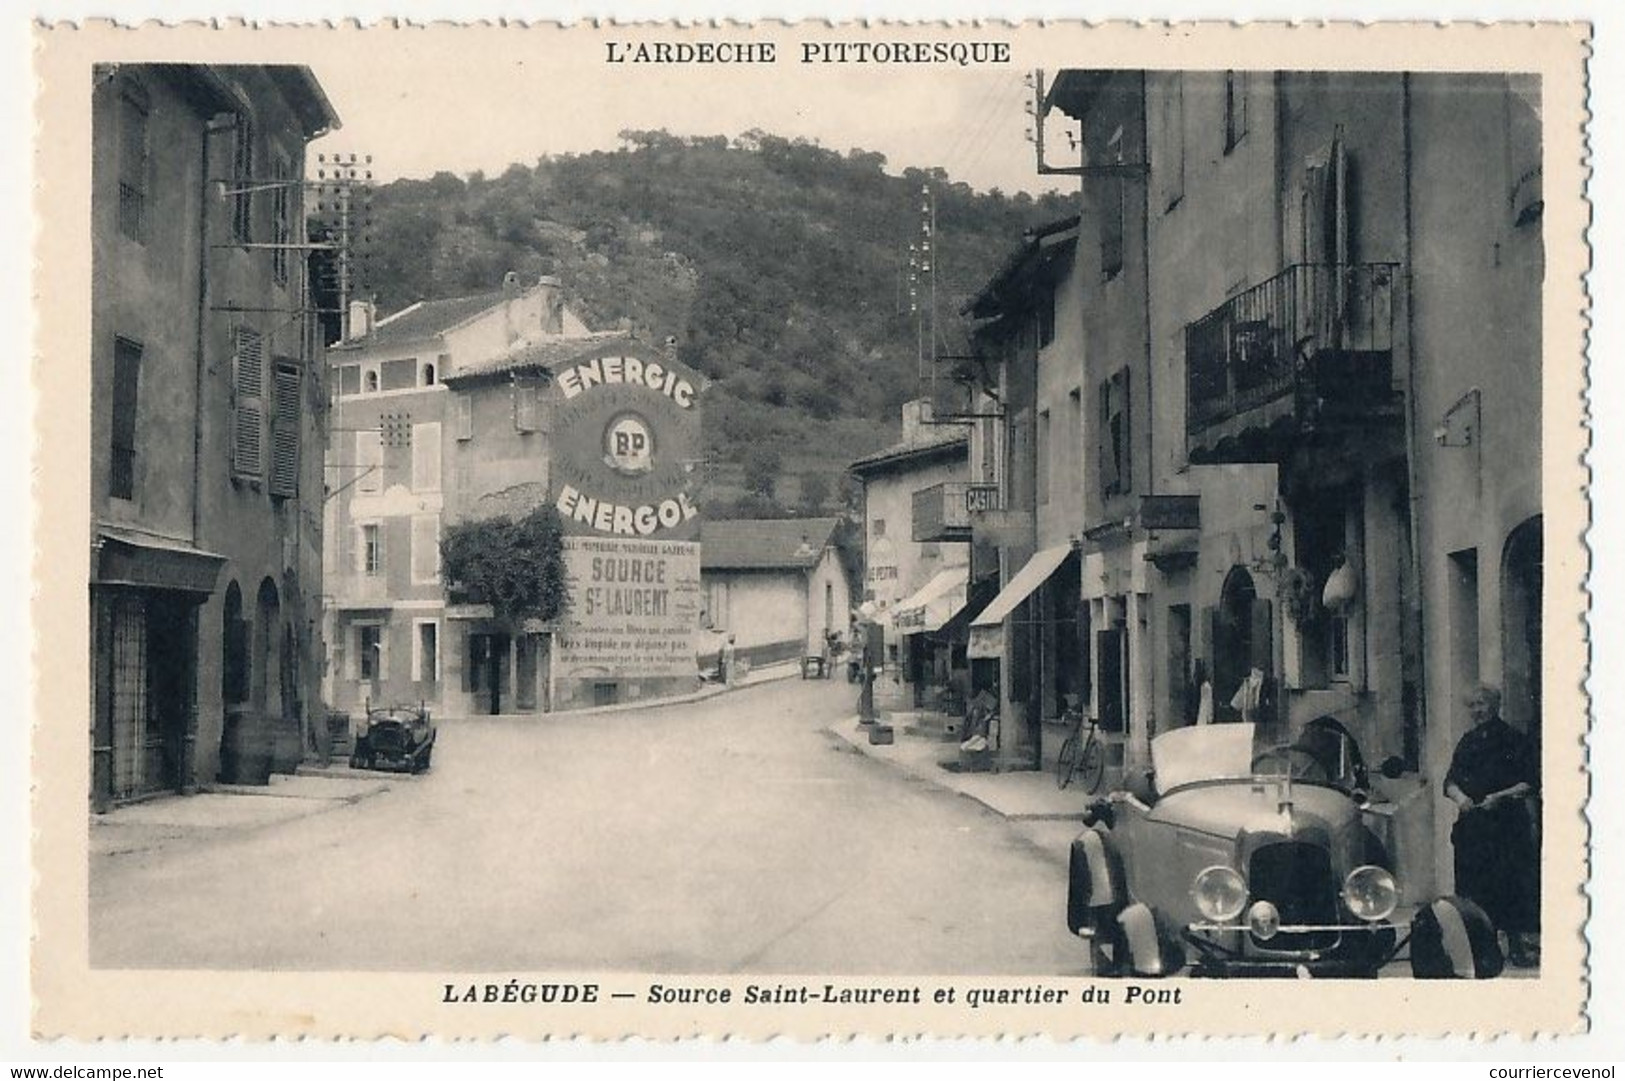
x,y
1307,354
942,512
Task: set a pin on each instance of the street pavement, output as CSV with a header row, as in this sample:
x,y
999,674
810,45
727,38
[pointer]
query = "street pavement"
x,y
734,834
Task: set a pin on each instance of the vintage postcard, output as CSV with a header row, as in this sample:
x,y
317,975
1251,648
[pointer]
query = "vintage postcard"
x,y
810,530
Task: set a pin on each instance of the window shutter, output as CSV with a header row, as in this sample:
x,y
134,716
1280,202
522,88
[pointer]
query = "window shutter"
x,y
426,457
369,458
285,431
425,548
465,417
1125,477
248,420
524,409
1103,444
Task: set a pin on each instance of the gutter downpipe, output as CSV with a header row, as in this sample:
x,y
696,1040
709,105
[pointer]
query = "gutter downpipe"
x,y
1412,446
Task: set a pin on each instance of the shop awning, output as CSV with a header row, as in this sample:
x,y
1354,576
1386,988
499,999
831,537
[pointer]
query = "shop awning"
x,y
1028,578
933,604
128,559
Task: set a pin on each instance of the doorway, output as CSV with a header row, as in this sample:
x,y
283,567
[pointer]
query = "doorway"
x,y
1522,580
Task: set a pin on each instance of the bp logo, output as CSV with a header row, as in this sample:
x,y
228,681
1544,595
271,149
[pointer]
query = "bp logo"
x,y
629,445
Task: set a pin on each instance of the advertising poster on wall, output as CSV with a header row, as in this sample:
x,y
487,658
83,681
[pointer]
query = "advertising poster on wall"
x,y
634,607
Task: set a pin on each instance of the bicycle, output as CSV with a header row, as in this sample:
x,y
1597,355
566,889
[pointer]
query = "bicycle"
x,y
1081,754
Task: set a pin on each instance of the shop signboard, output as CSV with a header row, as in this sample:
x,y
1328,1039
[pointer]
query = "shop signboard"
x,y
634,609
626,442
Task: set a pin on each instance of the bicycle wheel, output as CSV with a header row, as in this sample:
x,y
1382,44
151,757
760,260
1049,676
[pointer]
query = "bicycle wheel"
x,y
1092,764
1066,763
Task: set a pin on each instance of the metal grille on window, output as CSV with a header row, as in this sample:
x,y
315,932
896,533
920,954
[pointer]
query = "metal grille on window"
x,y
285,431
132,181
133,732
126,387
242,207
248,365
282,224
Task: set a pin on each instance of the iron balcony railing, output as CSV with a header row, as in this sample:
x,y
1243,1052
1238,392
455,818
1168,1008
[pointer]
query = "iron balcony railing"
x,y
1317,332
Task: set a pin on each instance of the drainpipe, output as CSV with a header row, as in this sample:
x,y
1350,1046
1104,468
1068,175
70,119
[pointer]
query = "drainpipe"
x,y
1412,447
1145,269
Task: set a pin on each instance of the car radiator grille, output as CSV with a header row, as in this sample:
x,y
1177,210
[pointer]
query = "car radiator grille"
x,y
1298,880
388,739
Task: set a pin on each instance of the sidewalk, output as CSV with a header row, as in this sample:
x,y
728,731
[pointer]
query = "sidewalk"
x,y
1021,796
221,809
765,674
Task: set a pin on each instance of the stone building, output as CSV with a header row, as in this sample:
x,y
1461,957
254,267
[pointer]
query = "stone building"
x,y
207,426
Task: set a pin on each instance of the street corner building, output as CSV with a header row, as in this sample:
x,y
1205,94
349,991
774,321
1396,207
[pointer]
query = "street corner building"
x,y
488,406
1263,421
777,587
207,427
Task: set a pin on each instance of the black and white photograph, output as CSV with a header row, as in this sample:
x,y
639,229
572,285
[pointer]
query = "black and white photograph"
x,y
717,521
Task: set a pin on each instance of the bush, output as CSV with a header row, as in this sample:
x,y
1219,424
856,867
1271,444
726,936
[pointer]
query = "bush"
x,y
517,567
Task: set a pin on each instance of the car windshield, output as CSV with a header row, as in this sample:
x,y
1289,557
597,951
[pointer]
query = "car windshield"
x,y
1323,753
1208,752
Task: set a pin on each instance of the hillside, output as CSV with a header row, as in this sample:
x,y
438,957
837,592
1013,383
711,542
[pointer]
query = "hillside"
x,y
780,268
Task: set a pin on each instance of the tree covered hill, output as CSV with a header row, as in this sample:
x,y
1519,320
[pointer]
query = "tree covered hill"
x,y
779,266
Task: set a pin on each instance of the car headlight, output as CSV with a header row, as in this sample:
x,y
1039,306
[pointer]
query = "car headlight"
x,y
1220,893
1371,893
1264,919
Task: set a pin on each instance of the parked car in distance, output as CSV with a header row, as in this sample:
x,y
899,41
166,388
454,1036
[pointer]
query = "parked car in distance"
x,y
397,738
1236,859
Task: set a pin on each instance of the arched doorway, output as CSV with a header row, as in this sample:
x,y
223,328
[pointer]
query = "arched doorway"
x,y
234,650
1233,634
1522,575
265,681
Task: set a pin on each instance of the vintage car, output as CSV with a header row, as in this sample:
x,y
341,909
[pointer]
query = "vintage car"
x,y
1235,859
394,738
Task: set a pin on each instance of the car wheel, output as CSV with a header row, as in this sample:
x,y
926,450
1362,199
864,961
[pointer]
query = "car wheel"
x,y
1454,939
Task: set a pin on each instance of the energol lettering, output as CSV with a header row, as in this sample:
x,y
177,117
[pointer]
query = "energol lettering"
x,y
640,521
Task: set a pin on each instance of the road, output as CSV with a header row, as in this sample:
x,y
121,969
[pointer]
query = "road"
x,y
733,835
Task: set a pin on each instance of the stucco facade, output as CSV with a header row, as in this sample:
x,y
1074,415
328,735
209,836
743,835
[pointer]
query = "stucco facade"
x,y
207,426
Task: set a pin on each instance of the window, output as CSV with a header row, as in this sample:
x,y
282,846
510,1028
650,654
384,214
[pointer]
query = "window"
x,y
1169,165
1046,317
369,461
829,607
1235,108
426,457
350,379
369,381
1111,194
716,602
248,420
877,528
372,550
134,151
1073,457
1116,472
427,376
398,374
465,417
281,219
426,548
1042,454
126,387
285,429
369,651
426,652
242,182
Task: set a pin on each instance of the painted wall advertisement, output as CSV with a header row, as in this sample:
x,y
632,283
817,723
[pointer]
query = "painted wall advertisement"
x,y
626,444
634,609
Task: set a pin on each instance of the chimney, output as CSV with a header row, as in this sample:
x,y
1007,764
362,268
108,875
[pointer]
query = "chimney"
x,y
552,297
510,283
362,315
916,416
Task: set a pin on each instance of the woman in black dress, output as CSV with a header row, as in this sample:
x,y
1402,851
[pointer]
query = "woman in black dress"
x,y
1493,774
